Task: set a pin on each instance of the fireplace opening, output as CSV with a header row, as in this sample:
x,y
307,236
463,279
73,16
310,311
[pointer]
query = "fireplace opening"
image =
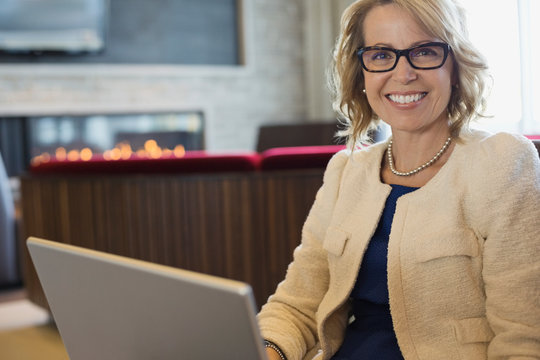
x,y
114,137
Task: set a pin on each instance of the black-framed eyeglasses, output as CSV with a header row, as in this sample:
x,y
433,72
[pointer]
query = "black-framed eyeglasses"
x,y
426,56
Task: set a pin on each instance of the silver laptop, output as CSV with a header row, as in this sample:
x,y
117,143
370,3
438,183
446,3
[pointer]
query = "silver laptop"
x,y
112,307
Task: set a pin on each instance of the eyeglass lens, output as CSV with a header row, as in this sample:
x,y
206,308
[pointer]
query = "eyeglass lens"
x,y
422,57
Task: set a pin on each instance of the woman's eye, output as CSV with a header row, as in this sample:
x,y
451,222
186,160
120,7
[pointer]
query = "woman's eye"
x,y
382,55
424,52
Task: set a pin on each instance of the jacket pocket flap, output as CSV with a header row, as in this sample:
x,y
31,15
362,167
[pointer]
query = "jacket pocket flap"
x,y
454,242
473,330
335,240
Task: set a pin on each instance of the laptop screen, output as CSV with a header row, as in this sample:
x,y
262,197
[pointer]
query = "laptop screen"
x,y
111,307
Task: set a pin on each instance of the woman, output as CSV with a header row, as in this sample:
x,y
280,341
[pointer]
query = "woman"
x,y
424,246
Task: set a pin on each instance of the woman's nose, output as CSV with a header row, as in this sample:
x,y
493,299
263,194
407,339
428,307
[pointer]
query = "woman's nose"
x,y
404,72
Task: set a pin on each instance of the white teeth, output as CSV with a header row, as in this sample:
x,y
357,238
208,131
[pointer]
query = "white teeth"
x,y
406,99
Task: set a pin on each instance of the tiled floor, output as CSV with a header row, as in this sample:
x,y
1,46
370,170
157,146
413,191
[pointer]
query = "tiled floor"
x,y
26,331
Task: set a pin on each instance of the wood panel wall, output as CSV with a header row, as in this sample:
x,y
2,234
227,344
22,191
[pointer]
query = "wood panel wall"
x,y
242,226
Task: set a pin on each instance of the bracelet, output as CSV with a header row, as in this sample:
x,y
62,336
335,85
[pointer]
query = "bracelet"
x,y
271,345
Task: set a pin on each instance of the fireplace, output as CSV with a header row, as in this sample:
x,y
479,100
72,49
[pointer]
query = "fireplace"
x,y
114,137
98,136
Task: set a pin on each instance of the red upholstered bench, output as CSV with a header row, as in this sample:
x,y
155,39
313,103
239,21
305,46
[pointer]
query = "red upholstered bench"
x,y
285,158
192,162
299,157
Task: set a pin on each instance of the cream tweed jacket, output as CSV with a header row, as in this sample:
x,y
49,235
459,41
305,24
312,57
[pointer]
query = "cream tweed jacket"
x,y
463,256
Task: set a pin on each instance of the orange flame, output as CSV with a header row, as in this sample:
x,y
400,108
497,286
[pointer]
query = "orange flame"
x,y
121,151
86,154
60,154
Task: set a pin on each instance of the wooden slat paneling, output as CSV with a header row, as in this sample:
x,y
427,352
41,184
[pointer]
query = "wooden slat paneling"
x,y
243,226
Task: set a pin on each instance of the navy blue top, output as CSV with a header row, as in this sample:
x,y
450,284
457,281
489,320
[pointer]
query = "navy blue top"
x,y
371,335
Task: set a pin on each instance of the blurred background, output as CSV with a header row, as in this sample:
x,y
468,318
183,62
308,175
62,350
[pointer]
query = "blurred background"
x,y
112,78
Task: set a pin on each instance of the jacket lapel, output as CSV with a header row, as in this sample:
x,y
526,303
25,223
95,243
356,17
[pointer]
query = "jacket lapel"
x,y
356,214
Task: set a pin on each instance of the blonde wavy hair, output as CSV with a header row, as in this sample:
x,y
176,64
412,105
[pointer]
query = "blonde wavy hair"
x,y
442,19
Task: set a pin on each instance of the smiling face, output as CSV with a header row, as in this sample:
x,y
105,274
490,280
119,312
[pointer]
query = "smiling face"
x,y
407,99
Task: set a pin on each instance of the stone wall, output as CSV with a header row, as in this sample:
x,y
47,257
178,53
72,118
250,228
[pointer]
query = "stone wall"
x,y
236,100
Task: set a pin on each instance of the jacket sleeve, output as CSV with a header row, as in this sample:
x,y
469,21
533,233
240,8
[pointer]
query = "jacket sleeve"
x,y
508,196
289,317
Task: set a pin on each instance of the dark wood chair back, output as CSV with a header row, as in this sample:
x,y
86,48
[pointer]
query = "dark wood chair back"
x,y
537,144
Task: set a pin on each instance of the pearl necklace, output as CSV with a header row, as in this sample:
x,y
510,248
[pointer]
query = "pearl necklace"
x,y
421,167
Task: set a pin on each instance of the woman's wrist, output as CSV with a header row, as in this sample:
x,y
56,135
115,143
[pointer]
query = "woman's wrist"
x,y
274,349
272,354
